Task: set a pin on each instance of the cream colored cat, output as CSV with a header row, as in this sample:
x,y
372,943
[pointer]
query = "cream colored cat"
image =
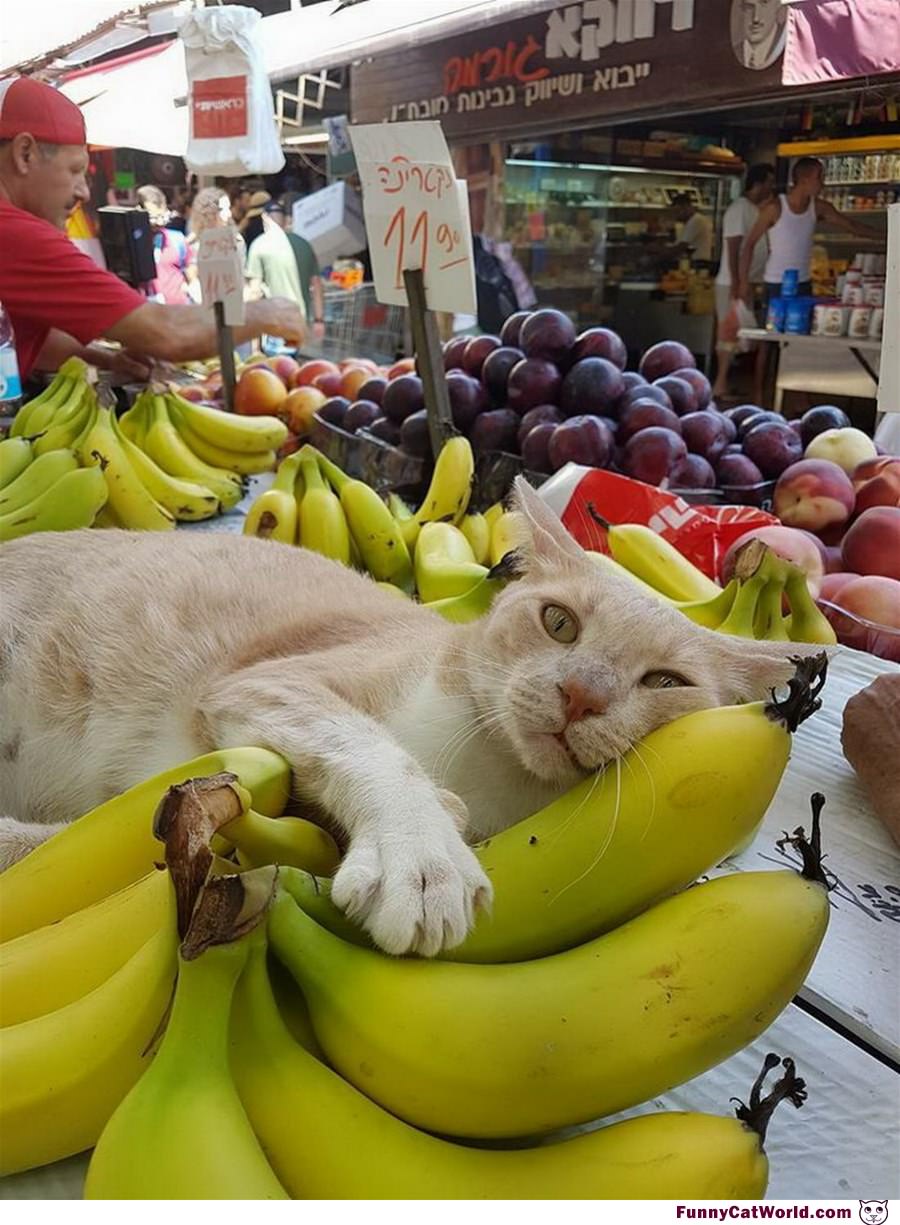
x,y
124,653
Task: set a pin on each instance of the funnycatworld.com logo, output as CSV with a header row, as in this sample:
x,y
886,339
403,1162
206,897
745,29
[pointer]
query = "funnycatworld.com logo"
x,y
873,1211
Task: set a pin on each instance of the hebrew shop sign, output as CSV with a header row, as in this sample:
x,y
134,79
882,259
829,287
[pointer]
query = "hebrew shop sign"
x,y
597,59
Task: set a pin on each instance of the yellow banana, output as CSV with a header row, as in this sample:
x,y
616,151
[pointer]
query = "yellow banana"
x,y
231,431
445,565
106,517
469,606
68,422
71,502
506,535
167,448
450,489
807,622
64,1073
651,557
292,841
128,497
517,1050
709,612
15,456
38,477
406,520
493,513
476,530
273,515
55,965
184,500
323,524
113,845
325,1139
244,463
181,1133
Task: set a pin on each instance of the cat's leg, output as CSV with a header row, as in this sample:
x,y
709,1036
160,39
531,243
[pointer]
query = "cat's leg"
x,y
17,838
408,876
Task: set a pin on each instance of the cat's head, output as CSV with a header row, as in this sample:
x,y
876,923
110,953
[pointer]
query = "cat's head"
x,y
873,1211
574,664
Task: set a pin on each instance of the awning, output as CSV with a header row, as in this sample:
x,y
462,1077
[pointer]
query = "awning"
x,y
833,40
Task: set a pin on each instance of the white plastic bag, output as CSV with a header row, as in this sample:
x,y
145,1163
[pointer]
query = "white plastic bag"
x,y
232,127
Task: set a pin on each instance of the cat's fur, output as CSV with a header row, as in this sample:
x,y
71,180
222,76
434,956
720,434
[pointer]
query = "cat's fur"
x,y
122,654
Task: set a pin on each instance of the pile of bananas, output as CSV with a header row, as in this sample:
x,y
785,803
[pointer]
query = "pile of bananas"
x,y
588,990
69,463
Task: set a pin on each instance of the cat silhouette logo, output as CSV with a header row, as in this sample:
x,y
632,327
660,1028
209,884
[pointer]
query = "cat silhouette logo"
x,y
873,1211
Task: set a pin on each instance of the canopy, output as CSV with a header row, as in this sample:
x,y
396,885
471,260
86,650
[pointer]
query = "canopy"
x,y
834,40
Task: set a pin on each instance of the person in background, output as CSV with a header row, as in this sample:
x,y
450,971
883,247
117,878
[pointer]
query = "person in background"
x,y
740,217
696,228
210,210
175,265
307,270
271,264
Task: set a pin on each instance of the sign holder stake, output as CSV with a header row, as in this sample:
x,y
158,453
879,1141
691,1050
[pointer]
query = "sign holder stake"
x,y
431,361
225,344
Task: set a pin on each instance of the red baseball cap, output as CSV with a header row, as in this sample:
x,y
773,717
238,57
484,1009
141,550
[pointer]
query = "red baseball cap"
x,y
31,106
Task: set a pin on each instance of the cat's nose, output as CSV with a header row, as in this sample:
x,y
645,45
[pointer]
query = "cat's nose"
x,y
582,699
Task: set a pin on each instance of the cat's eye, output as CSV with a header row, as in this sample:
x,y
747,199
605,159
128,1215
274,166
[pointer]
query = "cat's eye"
x,y
561,624
664,680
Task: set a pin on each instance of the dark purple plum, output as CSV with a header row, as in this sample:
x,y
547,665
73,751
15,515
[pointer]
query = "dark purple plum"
x,y
539,415
823,417
706,434
730,427
737,470
665,358
467,399
414,436
496,368
512,326
532,381
641,415
683,396
402,397
386,430
453,352
741,412
693,472
699,382
644,391
581,440
495,431
651,455
476,351
536,447
763,417
373,389
599,342
547,333
333,410
772,447
360,413
592,386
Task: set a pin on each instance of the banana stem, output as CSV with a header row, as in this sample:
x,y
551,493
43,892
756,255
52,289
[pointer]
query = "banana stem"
x,y
802,699
790,1087
330,471
312,473
810,850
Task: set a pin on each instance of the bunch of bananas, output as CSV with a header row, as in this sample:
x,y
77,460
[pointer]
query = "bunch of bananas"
x,y
510,1036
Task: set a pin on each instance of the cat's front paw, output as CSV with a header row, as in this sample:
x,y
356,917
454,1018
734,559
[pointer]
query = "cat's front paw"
x,y
413,893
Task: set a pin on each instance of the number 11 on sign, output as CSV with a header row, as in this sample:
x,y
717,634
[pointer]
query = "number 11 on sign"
x,y
413,252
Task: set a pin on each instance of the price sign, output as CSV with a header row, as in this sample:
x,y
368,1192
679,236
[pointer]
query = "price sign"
x,y
221,272
417,214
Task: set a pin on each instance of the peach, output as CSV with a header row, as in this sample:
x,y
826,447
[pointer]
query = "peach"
x,y
813,494
330,382
847,447
311,370
882,490
834,563
259,392
285,367
406,365
790,543
353,379
299,406
873,467
872,544
833,585
873,597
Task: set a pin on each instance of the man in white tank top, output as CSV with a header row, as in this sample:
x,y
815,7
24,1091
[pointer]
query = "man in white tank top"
x,y
791,221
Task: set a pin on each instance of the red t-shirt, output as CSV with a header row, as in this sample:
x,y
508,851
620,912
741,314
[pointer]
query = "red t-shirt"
x,y
46,282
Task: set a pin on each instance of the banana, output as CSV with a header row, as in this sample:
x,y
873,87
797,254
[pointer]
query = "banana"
x,y
37,478
372,527
517,1050
473,604
273,515
325,1139
506,535
106,517
244,463
64,1073
68,423
807,622
323,524
184,500
181,1133
392,590
43,407
712,612
15,456
493,513
128,496
69,503
450,489
651,557
445,565
768,621
167,448
406,520
133,423
476,530
293,841
55,965
113,845
230,431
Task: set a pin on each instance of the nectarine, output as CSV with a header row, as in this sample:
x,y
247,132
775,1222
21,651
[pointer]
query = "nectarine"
x,y
874,598
406,365
813,493
872,544
790,543
312,369
259,392
299,406
329,381
846,447
352,379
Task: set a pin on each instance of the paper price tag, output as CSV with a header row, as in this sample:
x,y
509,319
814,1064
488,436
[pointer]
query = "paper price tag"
x,y
221,272
417,214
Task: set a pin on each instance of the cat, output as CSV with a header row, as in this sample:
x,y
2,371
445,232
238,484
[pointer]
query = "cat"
x,y
873,1211
125,653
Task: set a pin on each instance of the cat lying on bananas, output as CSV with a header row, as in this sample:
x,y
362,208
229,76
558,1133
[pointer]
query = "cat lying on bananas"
x,y
125,653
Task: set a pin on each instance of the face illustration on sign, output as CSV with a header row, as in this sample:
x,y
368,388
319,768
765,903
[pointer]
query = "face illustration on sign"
x,y
757,31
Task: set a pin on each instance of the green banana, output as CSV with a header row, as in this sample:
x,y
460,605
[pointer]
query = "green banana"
x,y
445,565
476,530
292,841
38,477
406,520
807,622
71,502
42,407
15,456
471,605
68,422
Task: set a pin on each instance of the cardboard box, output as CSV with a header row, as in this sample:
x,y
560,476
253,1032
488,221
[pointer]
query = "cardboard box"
x,y
331,220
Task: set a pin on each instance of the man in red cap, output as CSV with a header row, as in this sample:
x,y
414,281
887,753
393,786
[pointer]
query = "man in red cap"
x,y
57,298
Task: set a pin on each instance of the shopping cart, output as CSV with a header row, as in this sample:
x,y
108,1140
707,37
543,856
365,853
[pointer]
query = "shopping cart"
x,y
358,325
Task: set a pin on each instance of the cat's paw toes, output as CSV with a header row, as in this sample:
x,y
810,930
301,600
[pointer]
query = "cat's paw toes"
x,y
358,881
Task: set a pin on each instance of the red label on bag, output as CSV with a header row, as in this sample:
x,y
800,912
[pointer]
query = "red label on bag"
x,y
219,107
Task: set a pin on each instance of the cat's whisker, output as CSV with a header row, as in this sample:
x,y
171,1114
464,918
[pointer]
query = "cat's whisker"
x,y
610,833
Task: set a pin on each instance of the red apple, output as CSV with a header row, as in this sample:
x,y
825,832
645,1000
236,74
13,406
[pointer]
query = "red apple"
x,y
833,585
259,392
813,493
788,542
873,597
353,380
872,544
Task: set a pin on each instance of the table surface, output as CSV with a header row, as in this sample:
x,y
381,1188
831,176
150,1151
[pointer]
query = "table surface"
x,y
846,342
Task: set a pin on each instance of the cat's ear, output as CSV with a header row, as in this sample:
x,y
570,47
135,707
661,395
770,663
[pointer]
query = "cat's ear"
x,y
544,541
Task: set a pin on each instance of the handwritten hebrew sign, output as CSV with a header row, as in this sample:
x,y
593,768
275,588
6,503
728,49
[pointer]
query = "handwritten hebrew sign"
x,y
221,271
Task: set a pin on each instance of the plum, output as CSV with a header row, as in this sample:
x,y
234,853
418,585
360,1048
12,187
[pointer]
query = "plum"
x,y
475,352
683,396
467,397
665,358
741,412
495,371
763,417
453,352
360,413
414,436
386,430
532,381
541,414
693,472
772,447
644,391
547,334
823,417
495,430
738,471
698,381
581,440
333,410
402,397
536,447
641,414
373,389
651,454
706,434
512,326
600,342
593,385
